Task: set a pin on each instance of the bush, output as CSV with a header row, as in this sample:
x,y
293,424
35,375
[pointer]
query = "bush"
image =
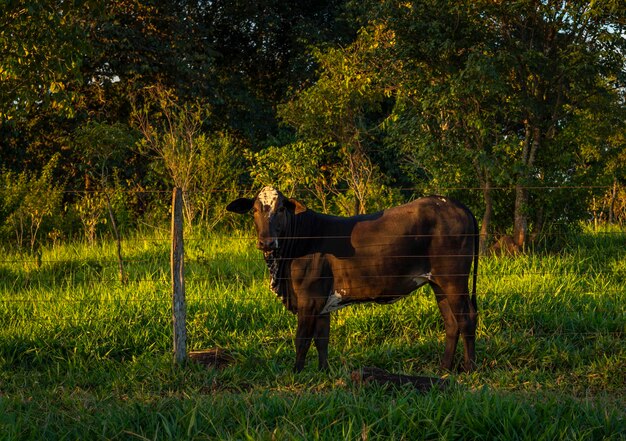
x,y
28,202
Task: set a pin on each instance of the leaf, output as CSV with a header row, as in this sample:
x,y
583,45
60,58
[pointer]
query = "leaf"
x,y
56,87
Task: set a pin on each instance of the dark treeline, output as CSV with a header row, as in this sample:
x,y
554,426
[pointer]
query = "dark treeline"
x,y
516,108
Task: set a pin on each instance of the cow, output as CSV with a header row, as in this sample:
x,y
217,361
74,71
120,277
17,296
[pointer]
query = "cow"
x,y
319,263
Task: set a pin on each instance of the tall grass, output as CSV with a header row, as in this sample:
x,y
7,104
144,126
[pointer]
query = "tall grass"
x,y
85,357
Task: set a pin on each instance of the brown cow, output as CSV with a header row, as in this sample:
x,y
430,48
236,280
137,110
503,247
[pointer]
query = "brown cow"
x,y
319,263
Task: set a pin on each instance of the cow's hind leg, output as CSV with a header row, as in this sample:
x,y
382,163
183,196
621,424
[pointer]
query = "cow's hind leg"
x,y
451,327
468,332
459,318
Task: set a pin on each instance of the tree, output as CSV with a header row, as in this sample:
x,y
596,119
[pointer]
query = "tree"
x,y
28,199
560,55
217,178
599,133
494,84
263,52
105,147
302,166
173,133
40,47
41,53
342,112
198,162
448,120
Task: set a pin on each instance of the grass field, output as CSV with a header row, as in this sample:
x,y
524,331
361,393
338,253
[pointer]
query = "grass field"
x,y
84,357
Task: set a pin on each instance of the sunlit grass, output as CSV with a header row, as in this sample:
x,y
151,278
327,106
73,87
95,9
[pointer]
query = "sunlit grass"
x,y
84,356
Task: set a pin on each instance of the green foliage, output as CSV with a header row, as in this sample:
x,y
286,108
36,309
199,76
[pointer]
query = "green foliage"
x,y
308,171
336,107
292,167
342,111
170,131
387,98
91,209
104,149
484,92
205,165
41,48
28,201
216,180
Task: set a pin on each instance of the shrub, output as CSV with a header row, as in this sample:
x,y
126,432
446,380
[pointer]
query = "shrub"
x,y
29,200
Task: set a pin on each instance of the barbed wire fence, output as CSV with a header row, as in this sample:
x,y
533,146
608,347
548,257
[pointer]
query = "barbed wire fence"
x,y
95,269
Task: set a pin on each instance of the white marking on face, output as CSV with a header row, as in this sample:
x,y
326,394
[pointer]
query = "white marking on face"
x,y
333,302
268,197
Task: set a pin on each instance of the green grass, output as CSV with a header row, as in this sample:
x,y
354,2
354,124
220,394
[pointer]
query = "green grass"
x,y
84,357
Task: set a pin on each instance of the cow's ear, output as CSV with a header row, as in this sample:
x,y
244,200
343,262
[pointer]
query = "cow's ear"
x,y
241,205
295,206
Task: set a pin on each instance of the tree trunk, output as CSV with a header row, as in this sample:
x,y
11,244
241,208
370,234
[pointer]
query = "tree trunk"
x,y
358,207
486,222
520,216
520,222
612,203
538,224
485,183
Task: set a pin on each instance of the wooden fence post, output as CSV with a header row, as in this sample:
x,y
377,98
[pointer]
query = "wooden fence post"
x,y
178,280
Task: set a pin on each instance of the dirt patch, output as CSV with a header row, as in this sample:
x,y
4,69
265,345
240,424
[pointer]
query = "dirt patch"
x,y
504,246
216,357
367,375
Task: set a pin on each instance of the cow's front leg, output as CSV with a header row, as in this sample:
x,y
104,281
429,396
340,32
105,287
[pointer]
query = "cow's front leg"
x,y
304,335
322,333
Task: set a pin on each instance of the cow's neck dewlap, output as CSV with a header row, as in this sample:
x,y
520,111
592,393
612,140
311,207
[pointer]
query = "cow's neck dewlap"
x,y
268,196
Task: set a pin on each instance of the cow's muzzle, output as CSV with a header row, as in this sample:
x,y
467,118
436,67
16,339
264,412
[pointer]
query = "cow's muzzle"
x,y
267,245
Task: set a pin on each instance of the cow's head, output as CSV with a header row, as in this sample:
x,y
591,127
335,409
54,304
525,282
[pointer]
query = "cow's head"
x,y
272,211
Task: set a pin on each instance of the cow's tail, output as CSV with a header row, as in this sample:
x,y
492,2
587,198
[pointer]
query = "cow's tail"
x,y
475,265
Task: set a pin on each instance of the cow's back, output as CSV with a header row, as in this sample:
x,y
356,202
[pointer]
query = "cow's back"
x,y
393,252
417,226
